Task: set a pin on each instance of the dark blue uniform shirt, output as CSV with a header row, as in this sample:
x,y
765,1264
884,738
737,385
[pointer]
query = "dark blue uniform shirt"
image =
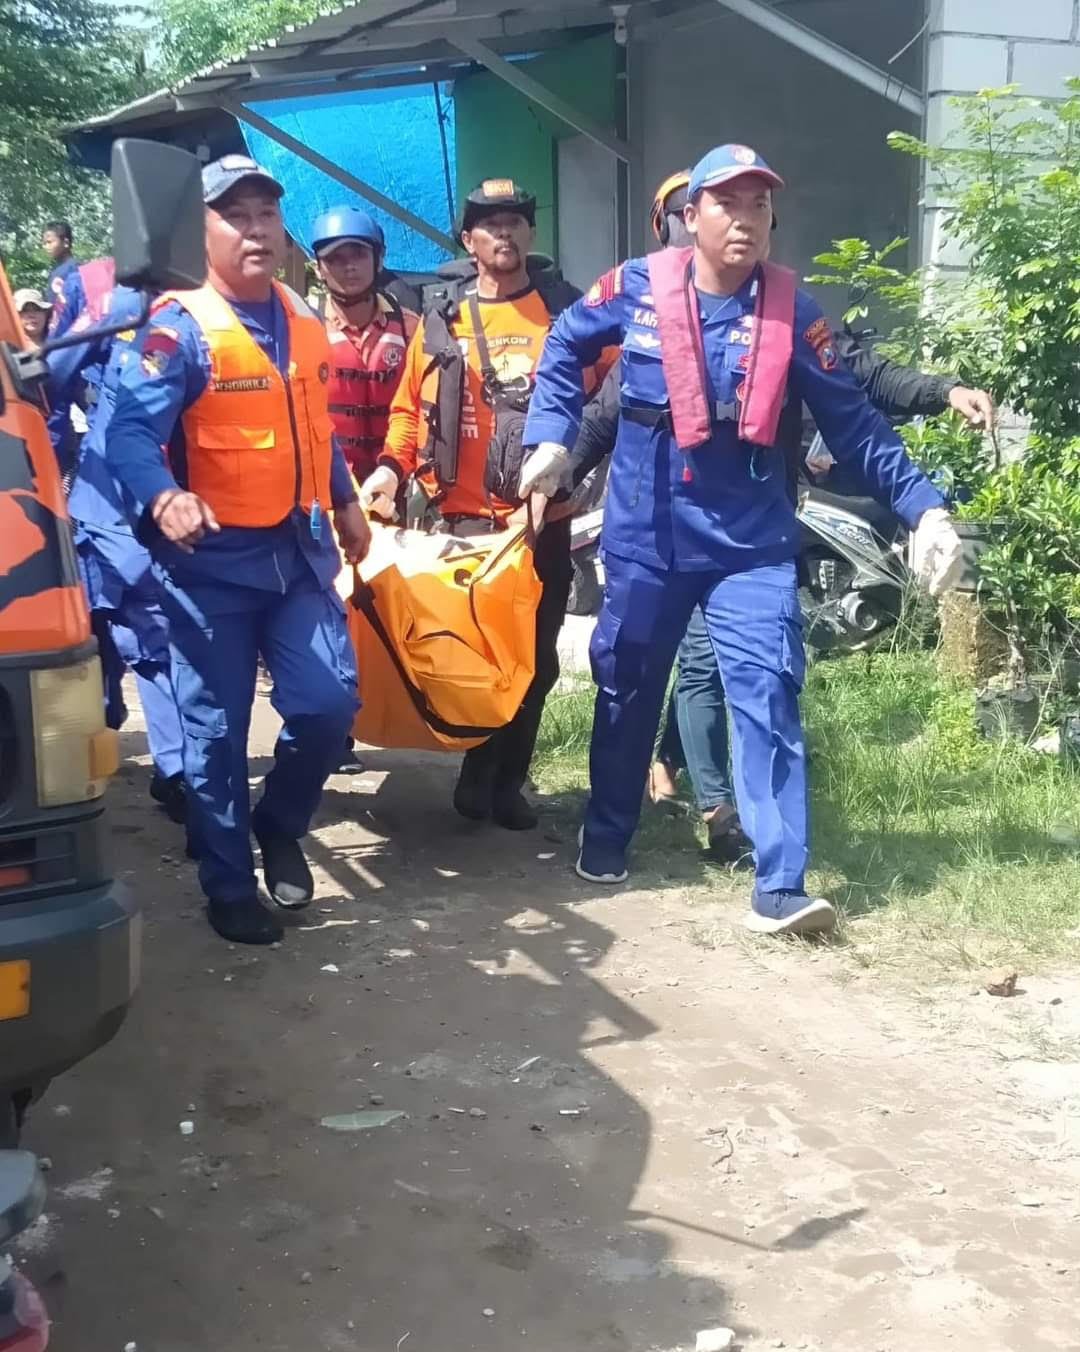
x,y
726,505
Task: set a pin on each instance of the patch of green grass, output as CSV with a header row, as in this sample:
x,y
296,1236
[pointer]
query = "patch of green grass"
x,y
936,845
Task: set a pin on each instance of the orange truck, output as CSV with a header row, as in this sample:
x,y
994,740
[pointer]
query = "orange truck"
x,y
69,933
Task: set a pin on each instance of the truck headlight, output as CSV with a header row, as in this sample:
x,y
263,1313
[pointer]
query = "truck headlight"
x,y
74,753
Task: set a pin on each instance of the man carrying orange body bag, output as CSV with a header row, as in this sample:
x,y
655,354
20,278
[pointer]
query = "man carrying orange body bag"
x,y
468,368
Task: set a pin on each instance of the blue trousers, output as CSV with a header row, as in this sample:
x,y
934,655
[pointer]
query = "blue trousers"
x,y
217,635
755,627
696,725
132,633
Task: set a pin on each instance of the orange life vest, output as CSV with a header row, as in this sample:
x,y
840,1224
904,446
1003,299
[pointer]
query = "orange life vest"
x,y
364,374
258,445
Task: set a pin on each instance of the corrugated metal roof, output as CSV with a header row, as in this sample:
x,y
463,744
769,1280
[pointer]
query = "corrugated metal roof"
x,y
370,43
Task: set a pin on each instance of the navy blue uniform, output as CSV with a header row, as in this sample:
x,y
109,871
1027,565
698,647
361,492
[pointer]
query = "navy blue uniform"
x,y
125,601
242,592
65,286
715,526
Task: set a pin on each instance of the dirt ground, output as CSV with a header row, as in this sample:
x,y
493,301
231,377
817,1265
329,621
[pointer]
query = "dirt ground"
x,y
622,1122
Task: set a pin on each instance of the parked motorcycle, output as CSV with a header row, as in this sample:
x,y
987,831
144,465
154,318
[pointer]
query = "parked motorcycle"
x,y
24,1322
853,566
586,591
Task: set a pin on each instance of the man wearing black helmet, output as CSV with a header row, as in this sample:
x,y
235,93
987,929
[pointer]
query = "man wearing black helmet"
x,y
468,377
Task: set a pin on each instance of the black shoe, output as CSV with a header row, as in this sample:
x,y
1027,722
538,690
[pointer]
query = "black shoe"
x,y
472,795
512,810
171,793
351,764
244,922
288,878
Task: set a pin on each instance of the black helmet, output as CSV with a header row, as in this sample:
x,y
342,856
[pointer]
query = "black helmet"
x,y
491,197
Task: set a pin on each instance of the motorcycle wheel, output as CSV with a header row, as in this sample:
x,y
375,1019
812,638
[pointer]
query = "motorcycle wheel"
x,y
585,590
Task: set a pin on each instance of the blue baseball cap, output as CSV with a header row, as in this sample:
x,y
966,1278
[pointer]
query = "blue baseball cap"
x,y
723,163
220,176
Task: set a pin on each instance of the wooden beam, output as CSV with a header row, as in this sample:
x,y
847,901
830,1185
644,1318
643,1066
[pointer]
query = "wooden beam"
x,y
340,175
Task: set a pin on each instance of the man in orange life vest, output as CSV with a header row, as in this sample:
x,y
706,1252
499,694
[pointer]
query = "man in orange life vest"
x,y
497,311
232,380
715,342
368,331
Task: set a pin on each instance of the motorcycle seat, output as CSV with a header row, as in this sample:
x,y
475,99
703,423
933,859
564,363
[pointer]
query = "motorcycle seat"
x,y
879,518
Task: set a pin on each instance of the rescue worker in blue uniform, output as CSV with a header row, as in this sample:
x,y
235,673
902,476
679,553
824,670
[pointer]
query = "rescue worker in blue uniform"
x,y
231,379
695,733
125,602
65,291
709,519
65,284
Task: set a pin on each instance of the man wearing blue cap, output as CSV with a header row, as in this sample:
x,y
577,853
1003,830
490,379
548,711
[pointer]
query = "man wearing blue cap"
x,y
232,380
717,344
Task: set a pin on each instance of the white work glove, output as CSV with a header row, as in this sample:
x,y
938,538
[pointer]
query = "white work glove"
x,y
936,552
544,470
378,491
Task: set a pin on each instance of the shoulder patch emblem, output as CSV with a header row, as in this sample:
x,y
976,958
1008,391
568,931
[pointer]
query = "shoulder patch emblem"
x,y
820,337
818,332
158,348
607,288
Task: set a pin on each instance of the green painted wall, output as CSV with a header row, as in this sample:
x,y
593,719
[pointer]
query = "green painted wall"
x,y
500,134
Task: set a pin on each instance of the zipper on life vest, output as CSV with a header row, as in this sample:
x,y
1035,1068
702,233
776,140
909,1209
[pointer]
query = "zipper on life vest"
x,y
316,505
316,511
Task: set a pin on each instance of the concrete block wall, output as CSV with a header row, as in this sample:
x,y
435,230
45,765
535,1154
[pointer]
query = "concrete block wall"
x,y
710,76
976,44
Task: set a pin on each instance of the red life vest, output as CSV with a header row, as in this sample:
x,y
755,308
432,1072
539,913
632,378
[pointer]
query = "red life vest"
x,y
365,370
683,350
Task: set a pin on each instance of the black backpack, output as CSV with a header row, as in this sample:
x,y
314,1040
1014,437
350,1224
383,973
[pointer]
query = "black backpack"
x,y
442,301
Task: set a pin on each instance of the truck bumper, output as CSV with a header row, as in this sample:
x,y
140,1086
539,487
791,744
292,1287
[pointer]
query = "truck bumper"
x,y
84,949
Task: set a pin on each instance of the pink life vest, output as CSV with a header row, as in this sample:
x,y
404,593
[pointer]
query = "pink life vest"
x,y
98,280
761,394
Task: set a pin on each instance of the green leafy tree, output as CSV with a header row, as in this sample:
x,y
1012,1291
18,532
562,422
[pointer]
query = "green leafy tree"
x,y
1011,188
60,61
195,33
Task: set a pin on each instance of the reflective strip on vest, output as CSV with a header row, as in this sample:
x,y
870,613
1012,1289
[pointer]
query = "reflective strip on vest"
x,y
258,445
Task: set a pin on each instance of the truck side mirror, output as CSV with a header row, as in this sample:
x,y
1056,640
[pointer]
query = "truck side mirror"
x,y
159,231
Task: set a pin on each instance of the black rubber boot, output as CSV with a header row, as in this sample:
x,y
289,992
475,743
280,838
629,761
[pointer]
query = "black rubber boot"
x,y
171,794
244,922
288,878
511,809
472,794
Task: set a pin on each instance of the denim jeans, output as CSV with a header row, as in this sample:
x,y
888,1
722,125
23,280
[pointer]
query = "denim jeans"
x,y
696,729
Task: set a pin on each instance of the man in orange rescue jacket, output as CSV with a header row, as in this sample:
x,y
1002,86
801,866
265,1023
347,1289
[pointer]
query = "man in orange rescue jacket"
x,y
232,380
443,426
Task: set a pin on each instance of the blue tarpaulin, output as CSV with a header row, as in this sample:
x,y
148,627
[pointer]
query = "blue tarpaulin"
x,y
389,138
